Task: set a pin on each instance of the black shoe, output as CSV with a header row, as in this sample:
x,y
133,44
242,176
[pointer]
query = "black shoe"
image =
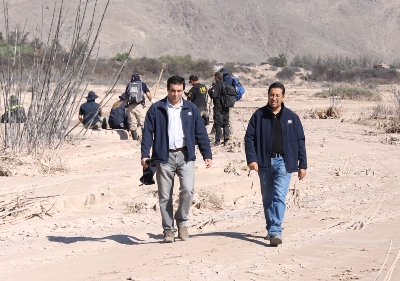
x,y
226,142
134,135
104,123
216,143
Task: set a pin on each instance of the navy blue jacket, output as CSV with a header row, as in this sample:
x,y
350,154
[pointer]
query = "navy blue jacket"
x,y
155,132
258,139
118,116
89,110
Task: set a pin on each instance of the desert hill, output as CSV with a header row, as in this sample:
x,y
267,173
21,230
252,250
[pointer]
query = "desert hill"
x,y
232,30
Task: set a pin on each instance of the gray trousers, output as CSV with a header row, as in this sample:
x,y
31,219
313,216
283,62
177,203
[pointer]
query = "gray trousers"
x,y
165,180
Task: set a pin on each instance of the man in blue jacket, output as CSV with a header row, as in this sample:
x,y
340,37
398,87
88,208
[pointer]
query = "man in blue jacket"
x,y
275,148
172,127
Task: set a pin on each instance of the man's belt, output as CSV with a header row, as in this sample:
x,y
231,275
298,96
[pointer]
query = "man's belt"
x,y
178,149
275,155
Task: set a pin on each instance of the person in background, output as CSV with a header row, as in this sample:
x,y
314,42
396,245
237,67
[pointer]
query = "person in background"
x,y
198,95
135,92
275,148
15,113
221,113
227,78
90,112
118,118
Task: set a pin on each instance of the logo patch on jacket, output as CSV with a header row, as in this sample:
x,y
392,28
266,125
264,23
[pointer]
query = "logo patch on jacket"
x,y
189,113
289,121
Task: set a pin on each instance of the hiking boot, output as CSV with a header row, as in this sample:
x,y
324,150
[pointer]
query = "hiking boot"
x,y
212,130
226,142
183,233
104,123
275,239
169,236
216,143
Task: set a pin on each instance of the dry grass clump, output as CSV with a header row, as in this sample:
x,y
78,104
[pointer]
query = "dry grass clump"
x,y
147,200
237,167
350,92
323,113
17,207
208,199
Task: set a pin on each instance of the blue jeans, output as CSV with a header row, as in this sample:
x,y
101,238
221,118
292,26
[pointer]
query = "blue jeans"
x,y
274,188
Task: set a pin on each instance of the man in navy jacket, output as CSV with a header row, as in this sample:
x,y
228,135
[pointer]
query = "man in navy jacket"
x,y
172,127
275,148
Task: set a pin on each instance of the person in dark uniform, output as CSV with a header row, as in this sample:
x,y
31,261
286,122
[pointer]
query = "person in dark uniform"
x,y
15,113
90,112
221,113
118,115
198,95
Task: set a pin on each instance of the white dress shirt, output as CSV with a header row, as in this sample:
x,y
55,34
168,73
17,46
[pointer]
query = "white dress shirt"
x,y
176,135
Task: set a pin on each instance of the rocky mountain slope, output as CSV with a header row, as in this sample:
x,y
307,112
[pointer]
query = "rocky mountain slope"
x,y
232,30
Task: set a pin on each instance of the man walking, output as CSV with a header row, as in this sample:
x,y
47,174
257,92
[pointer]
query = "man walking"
x,y
221,113
198,95
275,148
172,128
135,92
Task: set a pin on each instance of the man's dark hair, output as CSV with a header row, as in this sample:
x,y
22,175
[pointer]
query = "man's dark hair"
x,y
277,85
176,80
193,78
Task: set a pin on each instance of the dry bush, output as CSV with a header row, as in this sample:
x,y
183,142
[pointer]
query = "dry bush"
x,y
57,82
285,74
393,126
237,168
208,199
381,111
323,113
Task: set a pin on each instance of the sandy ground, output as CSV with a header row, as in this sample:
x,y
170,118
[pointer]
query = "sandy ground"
x,y
342,221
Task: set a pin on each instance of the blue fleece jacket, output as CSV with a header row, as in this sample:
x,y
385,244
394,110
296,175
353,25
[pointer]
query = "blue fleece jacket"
x,y
258,139
155,132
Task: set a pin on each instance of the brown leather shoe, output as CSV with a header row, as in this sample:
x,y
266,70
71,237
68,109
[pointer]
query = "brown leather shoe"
x,y
169,236
183,233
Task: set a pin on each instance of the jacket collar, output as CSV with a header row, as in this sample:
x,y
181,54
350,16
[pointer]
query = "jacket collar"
x,y
164,103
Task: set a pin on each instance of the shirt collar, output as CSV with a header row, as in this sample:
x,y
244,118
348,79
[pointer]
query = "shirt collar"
x,y
171,106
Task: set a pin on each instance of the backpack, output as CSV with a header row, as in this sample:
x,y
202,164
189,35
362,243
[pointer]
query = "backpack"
x,y
228,95
239,88
135,93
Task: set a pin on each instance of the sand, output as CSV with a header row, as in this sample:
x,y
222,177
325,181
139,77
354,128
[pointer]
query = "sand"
x,y
342,221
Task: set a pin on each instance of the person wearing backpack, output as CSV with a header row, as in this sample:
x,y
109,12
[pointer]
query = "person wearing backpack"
x,y
118,118
198,95
227,78
221,113
135,92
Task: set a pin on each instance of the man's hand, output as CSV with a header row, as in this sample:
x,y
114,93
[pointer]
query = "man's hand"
x,y
253,166
80,117
143,162
208,162
301,173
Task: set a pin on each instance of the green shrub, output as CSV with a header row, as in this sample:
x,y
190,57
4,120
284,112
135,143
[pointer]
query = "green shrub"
x,y
350,92
287,73
121,57
280,61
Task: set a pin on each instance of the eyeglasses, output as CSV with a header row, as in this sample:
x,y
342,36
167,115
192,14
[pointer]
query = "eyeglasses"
x,y
275,96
